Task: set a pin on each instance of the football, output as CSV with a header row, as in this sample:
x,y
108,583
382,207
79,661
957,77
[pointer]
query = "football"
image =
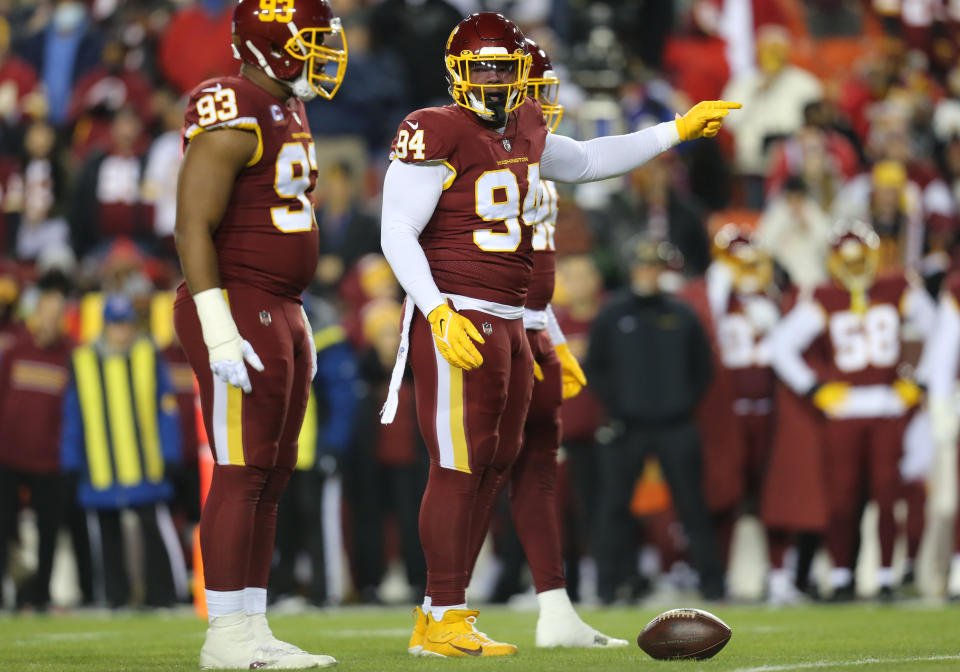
x,y
684,634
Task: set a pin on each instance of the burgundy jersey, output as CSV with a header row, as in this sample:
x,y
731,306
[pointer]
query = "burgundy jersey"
x,y
268,238
861,349
544,249
744,347
479,240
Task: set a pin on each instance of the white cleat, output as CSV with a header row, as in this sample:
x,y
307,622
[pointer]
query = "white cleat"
x,y
230,646
572,632
781,590
264,639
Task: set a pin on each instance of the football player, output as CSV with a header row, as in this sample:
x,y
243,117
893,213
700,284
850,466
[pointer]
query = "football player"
x,y
459,199
740,291
557,376
248,245
842,349
943,359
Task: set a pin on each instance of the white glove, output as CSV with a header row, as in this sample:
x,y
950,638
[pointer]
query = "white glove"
x,y
313,360
234,372
227,350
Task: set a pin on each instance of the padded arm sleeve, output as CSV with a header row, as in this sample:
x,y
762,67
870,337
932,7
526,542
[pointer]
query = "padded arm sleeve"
x,y
567,160
790,339
410,195
943,349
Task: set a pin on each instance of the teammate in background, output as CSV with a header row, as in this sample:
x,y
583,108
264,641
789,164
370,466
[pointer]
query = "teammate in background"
x,y
248,245
557,376
740,292
842,350
944,352
459,199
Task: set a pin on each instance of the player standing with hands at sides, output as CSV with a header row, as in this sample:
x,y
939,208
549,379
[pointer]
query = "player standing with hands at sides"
x,y
557,376
248,245
456,229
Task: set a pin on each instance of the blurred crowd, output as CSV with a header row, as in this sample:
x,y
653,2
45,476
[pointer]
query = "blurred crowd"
x,y
851,109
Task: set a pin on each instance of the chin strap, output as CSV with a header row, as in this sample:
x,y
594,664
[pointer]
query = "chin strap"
x,y
301,86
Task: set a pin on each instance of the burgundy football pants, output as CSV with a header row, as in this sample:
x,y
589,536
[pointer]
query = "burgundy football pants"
x,y
471,423
253,436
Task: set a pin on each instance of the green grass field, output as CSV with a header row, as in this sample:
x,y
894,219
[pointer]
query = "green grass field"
x,y
872,638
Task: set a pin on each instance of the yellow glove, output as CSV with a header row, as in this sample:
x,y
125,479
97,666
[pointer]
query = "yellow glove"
x,y
704,119
453,333
573,376
908,391
830,397
537,371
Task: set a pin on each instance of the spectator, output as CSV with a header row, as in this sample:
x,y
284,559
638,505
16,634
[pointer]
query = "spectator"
x,y
33,380
308,519
18,80
773,102
796,233
372,99
892,204
119,438
9,296
63,50
347,232
662,212
414,33
194,46
823,157
100,93
649,362
162,167
107,202
41,223
387,469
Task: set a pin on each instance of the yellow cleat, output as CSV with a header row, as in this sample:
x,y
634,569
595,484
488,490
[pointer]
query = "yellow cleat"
x,y
415,647
456,636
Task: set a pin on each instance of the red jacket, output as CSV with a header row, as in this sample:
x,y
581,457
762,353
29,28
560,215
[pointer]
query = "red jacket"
x,y
32,385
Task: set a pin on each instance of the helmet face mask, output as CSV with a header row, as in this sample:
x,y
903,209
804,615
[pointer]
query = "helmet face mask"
x,y
854,256
293,44
751,266
543,85
308,46
487,66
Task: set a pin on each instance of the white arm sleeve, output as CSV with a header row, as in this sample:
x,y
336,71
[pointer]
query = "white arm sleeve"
x,y
567,160
553,328
790,339
919,309
943,349
410,195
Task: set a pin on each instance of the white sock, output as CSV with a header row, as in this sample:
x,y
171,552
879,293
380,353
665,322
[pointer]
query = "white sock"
x,y
556,604
223,602
885,577
840,577
427,602
955,562
438,612
255,600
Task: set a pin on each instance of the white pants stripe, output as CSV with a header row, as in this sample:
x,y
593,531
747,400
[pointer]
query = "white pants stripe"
x,y
222,454
444,436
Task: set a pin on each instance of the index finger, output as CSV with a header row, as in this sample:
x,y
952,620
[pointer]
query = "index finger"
x,y
727,104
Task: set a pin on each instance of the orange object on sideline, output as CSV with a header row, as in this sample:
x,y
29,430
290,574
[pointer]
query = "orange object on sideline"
x,y
205,467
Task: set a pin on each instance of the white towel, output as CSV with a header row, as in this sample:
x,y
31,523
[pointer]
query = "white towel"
x,y
389,410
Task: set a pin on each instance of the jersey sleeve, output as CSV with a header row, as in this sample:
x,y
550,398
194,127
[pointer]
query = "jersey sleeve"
x,y
217,104
425,136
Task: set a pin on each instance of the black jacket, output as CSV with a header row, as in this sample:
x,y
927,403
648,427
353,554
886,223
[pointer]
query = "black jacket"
x,y
649,360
